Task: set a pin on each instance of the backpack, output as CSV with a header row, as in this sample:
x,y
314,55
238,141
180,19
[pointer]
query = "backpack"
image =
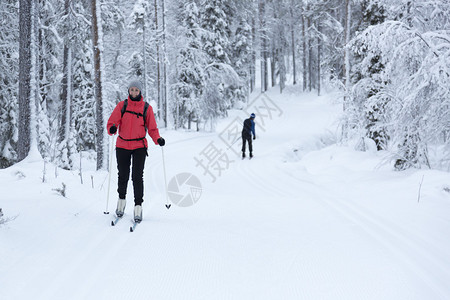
x,y
144,115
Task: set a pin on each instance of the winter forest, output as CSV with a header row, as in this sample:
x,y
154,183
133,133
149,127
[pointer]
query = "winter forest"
x,y
64,65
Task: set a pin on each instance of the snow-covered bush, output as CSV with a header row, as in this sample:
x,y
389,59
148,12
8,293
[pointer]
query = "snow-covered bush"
x,y
409,96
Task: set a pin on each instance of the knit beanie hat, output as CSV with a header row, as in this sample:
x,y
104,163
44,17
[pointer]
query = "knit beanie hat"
x,y
135,83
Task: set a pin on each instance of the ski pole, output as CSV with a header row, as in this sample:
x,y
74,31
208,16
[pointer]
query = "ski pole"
x,y
165,179
109,175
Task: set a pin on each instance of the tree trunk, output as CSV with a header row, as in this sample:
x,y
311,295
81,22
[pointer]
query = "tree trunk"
x,y
274,52
253,57
66,80
96,42
273,64
348,13
164,55
310,59
293,44
319,53
304,58
346,70
144,58
264,58
24,78
158,64
282,67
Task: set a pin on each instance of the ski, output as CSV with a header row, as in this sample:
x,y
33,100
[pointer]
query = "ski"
x,y
114,222
132,228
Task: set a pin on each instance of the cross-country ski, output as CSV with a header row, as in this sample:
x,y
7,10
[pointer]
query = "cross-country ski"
x,y
133,227
115,221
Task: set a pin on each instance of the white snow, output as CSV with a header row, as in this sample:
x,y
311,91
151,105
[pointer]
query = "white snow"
x,y
307,218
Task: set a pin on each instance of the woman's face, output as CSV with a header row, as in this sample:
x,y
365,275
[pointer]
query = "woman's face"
x,y
134,91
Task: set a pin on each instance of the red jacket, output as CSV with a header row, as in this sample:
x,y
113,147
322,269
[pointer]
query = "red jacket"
x,y
131,126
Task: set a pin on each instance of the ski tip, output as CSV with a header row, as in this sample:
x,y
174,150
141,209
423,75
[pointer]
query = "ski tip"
x,y
131,229
112,223
106,212
168,206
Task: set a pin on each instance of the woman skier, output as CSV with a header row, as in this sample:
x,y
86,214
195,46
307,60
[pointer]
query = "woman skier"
x,y
134,118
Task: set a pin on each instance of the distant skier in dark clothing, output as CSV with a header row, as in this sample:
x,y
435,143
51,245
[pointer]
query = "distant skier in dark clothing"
x,y
247,131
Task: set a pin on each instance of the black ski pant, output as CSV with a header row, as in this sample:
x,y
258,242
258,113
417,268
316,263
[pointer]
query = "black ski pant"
x,y
124,159
247,139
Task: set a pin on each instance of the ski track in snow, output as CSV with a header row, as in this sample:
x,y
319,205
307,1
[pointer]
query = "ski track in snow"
x,y
284,225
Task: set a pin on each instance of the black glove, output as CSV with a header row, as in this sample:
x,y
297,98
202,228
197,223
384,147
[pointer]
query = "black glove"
x,y
113,129
161,141
254,137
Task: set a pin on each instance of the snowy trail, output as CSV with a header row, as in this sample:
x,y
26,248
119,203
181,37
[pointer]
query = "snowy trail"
x,y
304,219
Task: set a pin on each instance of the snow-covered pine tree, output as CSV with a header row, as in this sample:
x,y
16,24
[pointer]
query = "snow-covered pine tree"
x,y
215,43
241,59
48,68
66,89
83,114
214,22
220,76
413,51
116,43
139,60
191,61
83,106
371,116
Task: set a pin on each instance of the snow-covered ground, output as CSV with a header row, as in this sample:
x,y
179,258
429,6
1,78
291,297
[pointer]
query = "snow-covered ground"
x,y
305,219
